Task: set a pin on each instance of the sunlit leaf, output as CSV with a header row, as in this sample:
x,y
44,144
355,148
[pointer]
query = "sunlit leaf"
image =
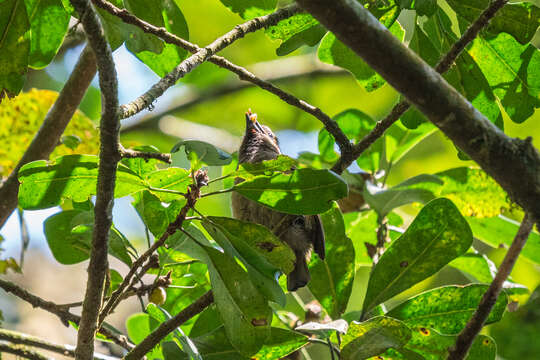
x,y
437,235
373,337
446,309
304,192
20,119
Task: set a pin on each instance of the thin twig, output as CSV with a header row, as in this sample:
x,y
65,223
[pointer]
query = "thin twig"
x,y
22,352
130,153
191,198
168,326
239,31
15,337
399,109
468,334
58,310
330,125
54,124
109,156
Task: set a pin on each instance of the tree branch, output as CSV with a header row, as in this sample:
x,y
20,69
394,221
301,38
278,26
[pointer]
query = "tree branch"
x,y
281,70
22,352
201,56
468,334
168,326
58,310
513,163
330,125
109,156
130,153
51,130
443,66
15,337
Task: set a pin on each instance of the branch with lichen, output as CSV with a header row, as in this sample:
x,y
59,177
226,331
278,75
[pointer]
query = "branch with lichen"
x,y
109,156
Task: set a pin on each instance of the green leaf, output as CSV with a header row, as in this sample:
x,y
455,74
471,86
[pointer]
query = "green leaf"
x,y
154,215
373,337
245,312
385,200
248,9
304,192
332,278
149,11
260,250
257,245
473,191
115,29
298,30
248,171
519,20
437,235
500,230
206,152
173,20
14,47
434,346
71,141
281,343
422,7
511,70
138,327
69,235
477,267
48,26
45,184
334,52
142,166
446,309
326,329
355,125
361,228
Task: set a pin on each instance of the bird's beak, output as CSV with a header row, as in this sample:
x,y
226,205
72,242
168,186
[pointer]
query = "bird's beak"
x,y
252,123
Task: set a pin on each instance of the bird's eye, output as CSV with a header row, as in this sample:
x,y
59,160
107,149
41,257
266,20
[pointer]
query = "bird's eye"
x,y
299,221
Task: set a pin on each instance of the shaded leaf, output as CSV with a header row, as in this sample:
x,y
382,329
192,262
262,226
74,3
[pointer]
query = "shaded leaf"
x,y
500,230
436,236
304,192
373,337
248,171
69,235
154,215
422,7
446,309
334,52
332,278
245,312
298,30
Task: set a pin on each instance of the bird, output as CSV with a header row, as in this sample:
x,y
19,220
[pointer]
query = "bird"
x,y
300,232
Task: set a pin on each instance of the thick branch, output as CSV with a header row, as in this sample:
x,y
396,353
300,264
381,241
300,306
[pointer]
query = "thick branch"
x,y
51,130
15,337
243,74
168,326
443,66
58,310
468,334
109,156
513,163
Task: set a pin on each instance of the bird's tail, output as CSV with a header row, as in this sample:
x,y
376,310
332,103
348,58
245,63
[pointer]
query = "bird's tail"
x,y
299,277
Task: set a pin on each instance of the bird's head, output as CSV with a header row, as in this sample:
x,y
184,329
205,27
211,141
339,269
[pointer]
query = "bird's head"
x,y
259,142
